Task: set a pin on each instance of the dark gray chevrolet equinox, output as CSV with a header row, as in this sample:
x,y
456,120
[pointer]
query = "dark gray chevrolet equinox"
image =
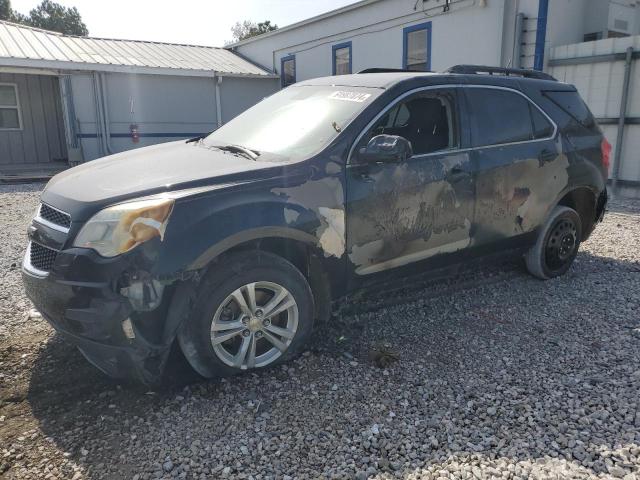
x,y
236,243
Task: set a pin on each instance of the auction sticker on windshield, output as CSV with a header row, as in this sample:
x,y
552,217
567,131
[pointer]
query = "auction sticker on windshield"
x,y
350,96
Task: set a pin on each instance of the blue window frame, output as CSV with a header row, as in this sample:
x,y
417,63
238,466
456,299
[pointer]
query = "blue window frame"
x,y
287,70
416,47
341,58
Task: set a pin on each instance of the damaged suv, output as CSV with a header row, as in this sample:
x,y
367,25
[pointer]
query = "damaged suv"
x,y
236,243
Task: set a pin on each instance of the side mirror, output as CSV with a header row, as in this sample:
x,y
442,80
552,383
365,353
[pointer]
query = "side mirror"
x,y
386,148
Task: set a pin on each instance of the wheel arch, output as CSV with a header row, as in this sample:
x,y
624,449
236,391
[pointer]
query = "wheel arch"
x,y
583,200
299,248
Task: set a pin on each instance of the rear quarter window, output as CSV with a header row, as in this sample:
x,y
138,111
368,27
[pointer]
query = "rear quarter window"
x,y
571,103
570,112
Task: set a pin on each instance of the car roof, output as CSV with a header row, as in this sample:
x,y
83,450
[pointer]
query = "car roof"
x,y
387,80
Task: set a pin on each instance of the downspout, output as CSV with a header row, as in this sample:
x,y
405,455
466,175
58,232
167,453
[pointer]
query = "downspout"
x,y
105,114
541,34
97,107
615,170
218,80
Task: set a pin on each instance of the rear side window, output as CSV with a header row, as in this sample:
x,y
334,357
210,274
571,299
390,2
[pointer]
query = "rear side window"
x,y
501,116
498,116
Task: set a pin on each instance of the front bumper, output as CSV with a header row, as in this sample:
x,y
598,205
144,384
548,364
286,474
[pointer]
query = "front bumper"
x,y
78,298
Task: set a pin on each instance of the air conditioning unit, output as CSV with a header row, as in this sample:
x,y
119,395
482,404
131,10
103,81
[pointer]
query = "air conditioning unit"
x,y
622,18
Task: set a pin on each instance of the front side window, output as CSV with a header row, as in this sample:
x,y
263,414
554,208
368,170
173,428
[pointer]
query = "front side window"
x,y
341,58
288,71
426,119
296,122
498,116
9,107
417,47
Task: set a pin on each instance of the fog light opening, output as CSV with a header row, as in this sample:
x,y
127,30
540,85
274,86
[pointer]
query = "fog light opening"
x,y
127,328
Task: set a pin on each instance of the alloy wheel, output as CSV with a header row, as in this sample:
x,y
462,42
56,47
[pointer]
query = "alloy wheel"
x,y
254,325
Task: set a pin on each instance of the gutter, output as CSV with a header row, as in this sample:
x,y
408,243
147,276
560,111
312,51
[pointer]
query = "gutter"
x,y
59,66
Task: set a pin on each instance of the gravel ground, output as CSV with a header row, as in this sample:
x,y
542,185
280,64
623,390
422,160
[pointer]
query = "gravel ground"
x,y
491,375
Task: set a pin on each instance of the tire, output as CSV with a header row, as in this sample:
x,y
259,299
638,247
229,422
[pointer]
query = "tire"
x,y
219,337
557,244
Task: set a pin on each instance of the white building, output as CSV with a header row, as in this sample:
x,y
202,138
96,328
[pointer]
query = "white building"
x,y
66,100
436,34
69,99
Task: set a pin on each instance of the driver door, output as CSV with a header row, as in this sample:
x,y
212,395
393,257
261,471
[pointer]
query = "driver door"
x,y
399,213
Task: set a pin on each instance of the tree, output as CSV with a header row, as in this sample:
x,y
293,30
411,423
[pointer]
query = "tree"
x,y
248,29
5,10
53,16
49,16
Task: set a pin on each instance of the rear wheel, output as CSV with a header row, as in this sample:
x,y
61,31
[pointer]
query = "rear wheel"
x,y
557,244
254,310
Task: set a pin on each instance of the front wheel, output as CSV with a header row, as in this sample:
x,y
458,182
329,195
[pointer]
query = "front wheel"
x,y
557,244
254,310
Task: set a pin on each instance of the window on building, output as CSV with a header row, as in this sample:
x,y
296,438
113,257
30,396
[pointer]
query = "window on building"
x,y
9,107
341,58
592,37
497,116
288,71
426,120
417,47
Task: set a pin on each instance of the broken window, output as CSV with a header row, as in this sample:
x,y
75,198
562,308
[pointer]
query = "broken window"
x,y
425,119
9,107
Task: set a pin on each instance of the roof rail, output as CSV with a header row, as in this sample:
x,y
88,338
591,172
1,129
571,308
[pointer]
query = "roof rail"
x,y
517,72
388,70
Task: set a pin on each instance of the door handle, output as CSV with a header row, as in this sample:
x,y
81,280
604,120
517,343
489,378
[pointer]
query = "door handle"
x,y
456,174
547,155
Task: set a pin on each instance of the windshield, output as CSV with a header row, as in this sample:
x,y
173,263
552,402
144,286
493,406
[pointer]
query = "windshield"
x,y
295,122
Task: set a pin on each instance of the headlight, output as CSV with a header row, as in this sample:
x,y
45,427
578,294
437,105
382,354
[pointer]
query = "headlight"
x,y
120,228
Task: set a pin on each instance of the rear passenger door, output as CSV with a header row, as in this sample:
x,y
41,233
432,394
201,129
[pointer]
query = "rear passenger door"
x,y
519,163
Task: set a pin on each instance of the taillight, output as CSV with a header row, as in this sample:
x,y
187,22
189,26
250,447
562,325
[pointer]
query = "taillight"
x,y
605,148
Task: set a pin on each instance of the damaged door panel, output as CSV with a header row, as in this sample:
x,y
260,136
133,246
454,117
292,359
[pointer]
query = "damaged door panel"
x,y
232,245
407,211
521,165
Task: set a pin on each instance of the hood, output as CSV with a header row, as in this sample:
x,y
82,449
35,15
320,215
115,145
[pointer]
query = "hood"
x,y
144,171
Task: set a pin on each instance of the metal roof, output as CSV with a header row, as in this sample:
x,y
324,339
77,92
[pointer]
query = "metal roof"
x,y
22,46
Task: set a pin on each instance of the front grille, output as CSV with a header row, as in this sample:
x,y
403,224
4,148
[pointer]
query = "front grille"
x,y
54,216
42,257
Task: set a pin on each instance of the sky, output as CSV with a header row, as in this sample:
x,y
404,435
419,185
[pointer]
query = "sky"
x,y
198,22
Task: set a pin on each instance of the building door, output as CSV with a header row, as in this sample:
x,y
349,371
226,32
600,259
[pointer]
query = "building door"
x,y
401,213
32,138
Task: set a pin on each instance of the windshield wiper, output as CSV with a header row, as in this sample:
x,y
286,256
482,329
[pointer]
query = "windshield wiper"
x,y
198,138
239,149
